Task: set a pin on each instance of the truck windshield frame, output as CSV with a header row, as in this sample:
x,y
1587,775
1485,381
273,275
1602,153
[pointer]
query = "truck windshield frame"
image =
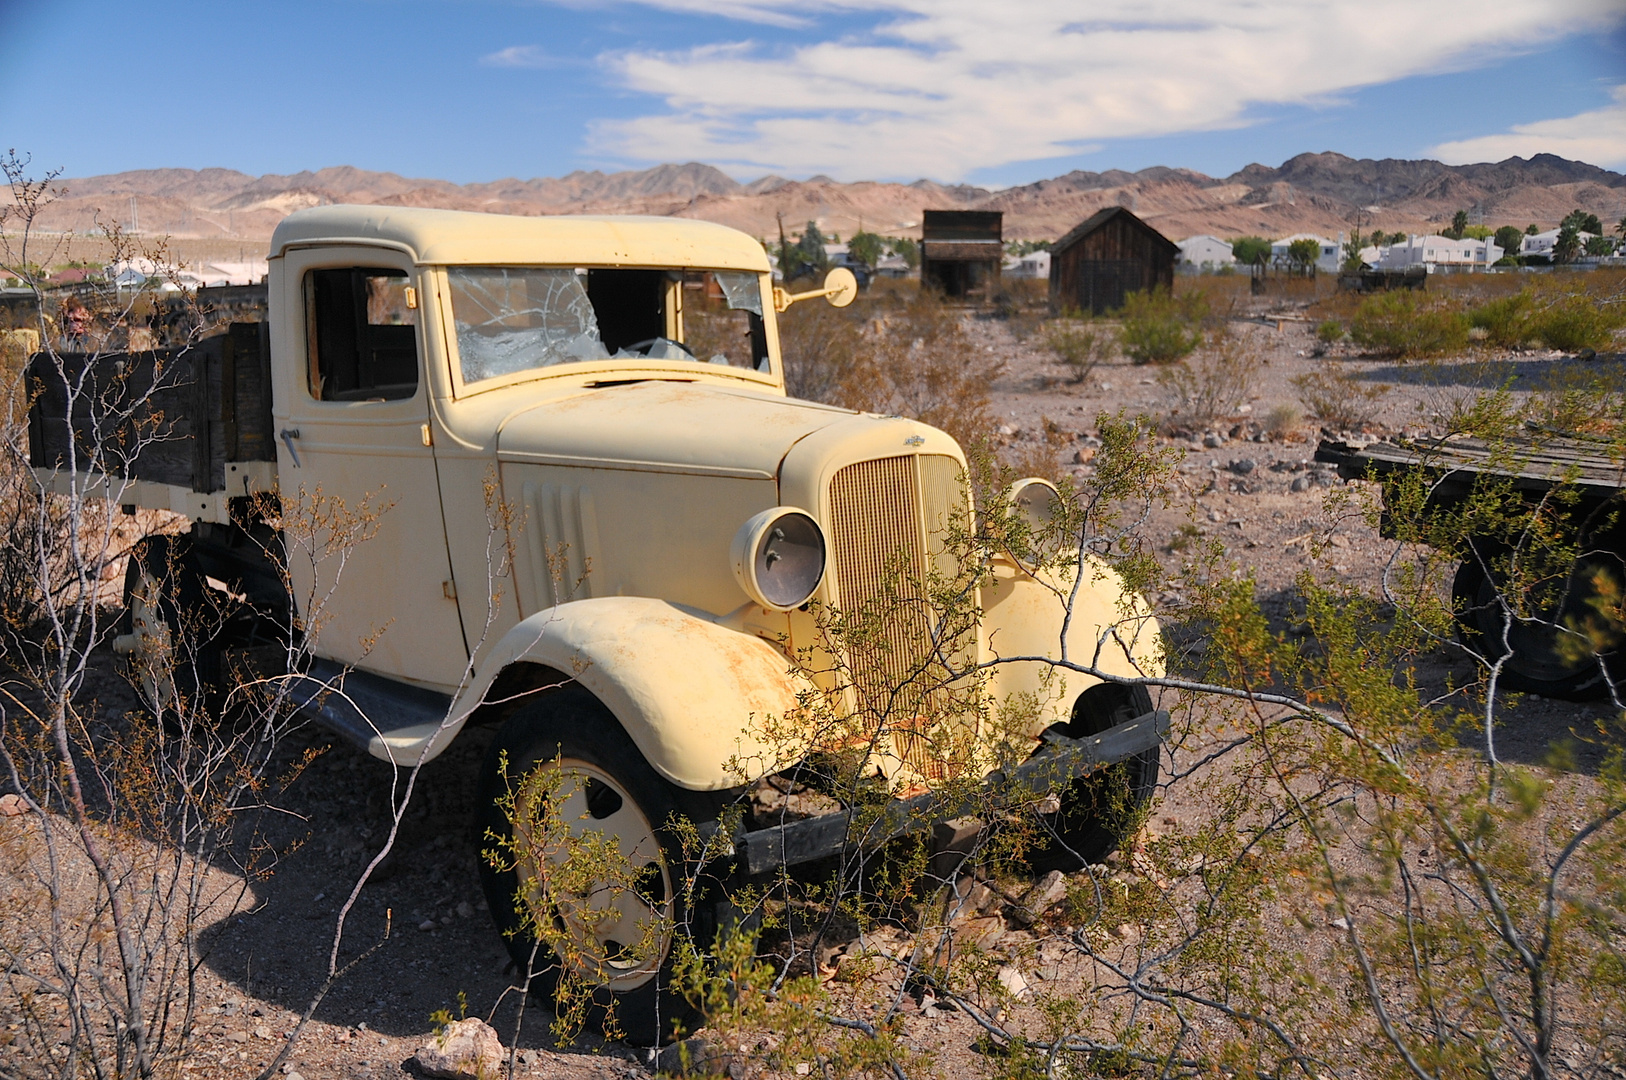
x,y
510,321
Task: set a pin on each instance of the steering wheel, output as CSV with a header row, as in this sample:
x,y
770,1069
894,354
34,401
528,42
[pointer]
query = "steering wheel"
x,y
648,344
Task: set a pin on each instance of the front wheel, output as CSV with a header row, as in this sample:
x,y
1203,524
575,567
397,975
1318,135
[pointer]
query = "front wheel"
x,y
1098,811
584,872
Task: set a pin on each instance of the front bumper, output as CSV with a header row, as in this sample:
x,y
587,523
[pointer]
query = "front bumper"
x,y
1056,763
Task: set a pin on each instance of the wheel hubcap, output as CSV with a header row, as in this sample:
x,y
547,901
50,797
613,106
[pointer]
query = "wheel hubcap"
x,y
148,644
595,879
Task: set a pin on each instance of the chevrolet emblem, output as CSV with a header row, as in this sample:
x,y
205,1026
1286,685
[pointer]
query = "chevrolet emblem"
x,y
914,440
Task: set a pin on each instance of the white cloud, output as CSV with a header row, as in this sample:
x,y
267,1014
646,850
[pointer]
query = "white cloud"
x,y
1597,137
517,56
941,87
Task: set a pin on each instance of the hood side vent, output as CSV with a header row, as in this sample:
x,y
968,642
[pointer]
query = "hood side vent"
x,y
562,532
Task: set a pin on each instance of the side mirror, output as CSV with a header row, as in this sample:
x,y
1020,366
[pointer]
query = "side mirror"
x,y
840,289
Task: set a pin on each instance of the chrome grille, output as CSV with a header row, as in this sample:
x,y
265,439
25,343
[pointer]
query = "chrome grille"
x,y
879,533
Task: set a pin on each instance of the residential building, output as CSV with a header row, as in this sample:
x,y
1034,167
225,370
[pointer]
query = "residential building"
x,y
1203,253
1437,251
1035,264
1331,251
1542,243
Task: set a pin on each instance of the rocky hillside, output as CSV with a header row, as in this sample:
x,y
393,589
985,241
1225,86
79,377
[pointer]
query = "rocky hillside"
x,y
1312,192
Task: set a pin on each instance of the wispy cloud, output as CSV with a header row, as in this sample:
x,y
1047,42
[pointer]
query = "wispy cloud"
x,y
742,10
941,87
518,56
1597,137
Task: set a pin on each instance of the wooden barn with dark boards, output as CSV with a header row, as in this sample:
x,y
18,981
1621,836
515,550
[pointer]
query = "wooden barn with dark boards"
x,y
1112,254
961,250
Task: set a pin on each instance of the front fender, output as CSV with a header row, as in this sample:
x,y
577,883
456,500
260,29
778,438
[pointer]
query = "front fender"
x,y
1112,630
698,698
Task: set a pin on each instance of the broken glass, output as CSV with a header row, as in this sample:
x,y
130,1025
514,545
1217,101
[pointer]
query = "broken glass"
x,y
511,319
743,291
518,318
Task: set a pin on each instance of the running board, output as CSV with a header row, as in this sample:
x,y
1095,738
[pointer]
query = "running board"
x,y
390,720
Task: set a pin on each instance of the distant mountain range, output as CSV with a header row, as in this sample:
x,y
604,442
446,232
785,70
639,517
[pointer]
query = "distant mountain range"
x,y
1324,193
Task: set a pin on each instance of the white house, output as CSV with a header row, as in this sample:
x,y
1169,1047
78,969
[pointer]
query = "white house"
x,y
1332,251
1204,252
1542,242
1437,251
896,266
1035,264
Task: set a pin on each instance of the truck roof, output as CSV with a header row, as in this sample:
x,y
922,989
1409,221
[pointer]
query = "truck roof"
x,y
463,237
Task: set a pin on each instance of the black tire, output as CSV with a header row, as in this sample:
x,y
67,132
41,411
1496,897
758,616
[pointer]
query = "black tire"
x,y
1534,664
167,566
1098,811
571,727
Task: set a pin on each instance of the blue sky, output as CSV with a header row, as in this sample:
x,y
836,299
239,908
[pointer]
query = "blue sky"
x,y
470,90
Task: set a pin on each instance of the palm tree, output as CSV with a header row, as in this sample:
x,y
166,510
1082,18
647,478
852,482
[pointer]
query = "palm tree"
x,y
1568,244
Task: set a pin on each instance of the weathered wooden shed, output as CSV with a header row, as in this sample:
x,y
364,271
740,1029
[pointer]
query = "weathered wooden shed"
x,y
1110,255
961,250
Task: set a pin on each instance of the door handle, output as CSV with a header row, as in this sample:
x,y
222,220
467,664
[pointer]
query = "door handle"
x,y
288,435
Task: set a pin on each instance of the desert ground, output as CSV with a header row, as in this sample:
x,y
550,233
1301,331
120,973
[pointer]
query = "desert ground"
x,y
424,907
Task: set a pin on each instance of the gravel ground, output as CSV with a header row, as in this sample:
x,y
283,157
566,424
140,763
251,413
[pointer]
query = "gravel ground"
x,y
265,959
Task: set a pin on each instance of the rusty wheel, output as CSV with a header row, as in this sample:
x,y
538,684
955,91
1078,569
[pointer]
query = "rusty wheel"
x,y
588,882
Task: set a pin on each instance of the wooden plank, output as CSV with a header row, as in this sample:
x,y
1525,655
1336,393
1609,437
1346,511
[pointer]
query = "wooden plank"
x,y
1534,465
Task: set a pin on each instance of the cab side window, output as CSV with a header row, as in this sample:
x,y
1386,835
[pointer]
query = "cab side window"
x,y
362,331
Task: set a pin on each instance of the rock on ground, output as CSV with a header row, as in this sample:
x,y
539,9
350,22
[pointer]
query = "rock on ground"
x,y
466,1050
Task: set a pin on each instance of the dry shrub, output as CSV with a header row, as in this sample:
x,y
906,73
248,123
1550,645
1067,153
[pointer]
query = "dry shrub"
x,y
1081,345
824,354
1338,401
1581,399
1401,323
1212,385
1282,420
904,353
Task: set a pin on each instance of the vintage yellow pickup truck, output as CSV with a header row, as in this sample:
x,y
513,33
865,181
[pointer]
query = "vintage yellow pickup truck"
x,y
673,520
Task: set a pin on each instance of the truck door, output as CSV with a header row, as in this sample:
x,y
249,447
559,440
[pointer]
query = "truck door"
x,y
353,453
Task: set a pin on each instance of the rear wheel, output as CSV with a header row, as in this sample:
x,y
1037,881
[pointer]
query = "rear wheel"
x,y
590,889
1541,650
1098,811
168,629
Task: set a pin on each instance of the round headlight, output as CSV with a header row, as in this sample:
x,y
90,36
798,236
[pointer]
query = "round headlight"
x,y
778,558
1037,503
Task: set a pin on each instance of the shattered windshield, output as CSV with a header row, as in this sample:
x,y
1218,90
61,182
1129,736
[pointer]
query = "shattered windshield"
x,y
516,318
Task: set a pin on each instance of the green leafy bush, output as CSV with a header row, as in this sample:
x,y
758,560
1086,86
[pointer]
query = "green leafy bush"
x,y
1574,323
1160,328
1401,324
1329,331
1249,250
1506,320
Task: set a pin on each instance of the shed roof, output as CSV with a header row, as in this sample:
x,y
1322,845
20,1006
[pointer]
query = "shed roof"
x,y
1100,218
466,237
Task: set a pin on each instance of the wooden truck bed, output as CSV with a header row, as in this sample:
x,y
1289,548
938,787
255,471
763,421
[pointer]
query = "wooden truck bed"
x,y
205,435
1536,460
